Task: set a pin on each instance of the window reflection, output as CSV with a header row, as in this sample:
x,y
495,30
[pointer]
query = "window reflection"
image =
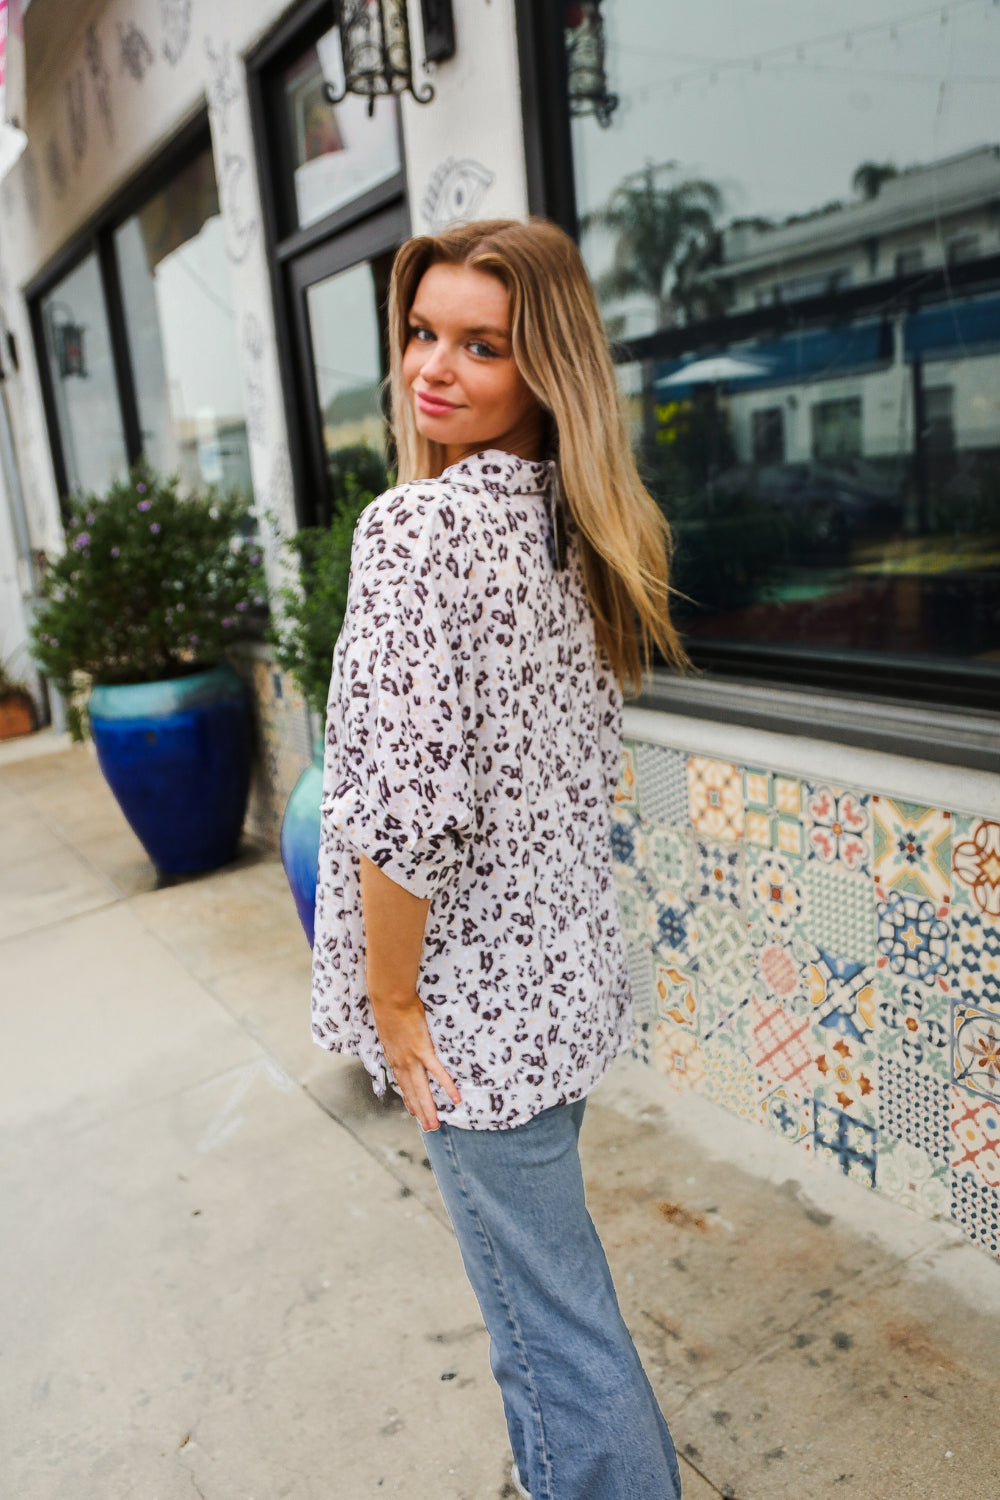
x,y
85,390
794,210
182,333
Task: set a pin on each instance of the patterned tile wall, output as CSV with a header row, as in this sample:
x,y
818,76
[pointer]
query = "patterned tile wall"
x,y
824,962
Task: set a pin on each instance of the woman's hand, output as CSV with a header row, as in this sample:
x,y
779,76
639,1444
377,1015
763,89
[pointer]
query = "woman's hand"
x,y
409,1051
394,936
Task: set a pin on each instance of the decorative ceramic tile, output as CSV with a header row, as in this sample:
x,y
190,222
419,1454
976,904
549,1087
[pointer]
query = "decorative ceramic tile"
x,y
642,1047
975,958
912,1177
913,936
977,1209
718,874
671,927
729,1078
785,1110
841,995
675,993
640,965
632,901
678,1055
913,850
773,807
913,1021
774,892
715,798
976,867
669,857
663,786
724,1019
781,1045
723,957
627,792
839,912
977,1051
628,848
844,1074
778,969
975,1131
837,827
914,1107
846,1142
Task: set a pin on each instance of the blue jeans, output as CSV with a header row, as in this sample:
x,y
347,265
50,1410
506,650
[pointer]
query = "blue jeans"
x,y
583,1421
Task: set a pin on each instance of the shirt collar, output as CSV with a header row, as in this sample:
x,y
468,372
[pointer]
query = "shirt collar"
x,y
500,473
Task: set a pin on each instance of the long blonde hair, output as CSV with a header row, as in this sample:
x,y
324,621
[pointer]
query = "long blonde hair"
x,y
561,350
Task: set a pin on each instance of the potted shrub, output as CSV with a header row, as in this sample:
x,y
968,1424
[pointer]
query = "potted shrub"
x,y
17,707
133,631
303,642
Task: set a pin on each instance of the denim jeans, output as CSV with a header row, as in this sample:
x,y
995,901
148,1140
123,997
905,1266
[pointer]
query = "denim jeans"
x,y
583,1421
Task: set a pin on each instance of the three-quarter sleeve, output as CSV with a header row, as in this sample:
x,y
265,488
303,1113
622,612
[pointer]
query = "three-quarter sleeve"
x,y
400,785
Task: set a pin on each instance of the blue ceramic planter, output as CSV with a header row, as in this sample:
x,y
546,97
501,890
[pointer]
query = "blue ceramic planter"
x,y
177,755
300,840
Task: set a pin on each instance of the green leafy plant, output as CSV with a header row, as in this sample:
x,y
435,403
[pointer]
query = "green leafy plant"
x,y
152,585
311,615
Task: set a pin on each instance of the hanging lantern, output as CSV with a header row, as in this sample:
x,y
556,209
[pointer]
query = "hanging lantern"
x,y
586,62
67,341
375,47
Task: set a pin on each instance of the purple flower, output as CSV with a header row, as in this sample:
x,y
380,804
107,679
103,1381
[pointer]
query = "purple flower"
x,y
114,552
155,526
227,621
194,640
141,487
255,558
145,504
83,540
90,520
242,604
179,608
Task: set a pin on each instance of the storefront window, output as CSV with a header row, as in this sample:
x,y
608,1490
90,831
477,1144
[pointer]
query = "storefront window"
x,y
82,378
338,151
182,333
790,216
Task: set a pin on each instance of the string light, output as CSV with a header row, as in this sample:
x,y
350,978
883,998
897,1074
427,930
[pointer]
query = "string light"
x,y
799,51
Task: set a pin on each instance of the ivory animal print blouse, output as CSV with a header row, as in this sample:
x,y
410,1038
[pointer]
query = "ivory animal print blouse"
x,y
472,751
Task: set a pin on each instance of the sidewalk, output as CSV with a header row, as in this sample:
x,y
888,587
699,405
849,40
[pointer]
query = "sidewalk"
x,y
226,1272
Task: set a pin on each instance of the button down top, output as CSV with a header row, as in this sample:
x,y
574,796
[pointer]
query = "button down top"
x,y
472,752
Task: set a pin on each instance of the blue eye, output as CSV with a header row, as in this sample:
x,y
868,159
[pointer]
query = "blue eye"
x,y
484,351
422,335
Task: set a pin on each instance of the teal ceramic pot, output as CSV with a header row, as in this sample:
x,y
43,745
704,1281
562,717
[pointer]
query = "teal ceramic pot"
x,y
300,840
177,756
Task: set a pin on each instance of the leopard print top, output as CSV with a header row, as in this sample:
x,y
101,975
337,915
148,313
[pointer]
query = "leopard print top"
x,y
472,753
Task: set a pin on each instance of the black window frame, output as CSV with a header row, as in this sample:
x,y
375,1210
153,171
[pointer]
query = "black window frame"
x,y
97,236
286,244
842,679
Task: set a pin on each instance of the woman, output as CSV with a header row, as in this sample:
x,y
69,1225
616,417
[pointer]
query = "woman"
x,y
468,946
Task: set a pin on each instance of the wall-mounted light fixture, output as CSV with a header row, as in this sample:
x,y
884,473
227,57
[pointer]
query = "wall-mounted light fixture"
x,y
67,341
586,61
376,50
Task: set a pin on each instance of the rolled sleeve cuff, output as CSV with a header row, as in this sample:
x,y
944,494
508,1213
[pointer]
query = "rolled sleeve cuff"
x,y
421,863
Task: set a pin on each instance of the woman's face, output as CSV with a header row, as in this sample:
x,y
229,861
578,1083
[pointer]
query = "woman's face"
x,y
466,389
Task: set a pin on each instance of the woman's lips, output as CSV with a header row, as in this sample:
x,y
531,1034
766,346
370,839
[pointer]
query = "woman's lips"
x,y
434,405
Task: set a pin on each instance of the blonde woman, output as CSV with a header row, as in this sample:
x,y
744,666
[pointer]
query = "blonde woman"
x,y
468,946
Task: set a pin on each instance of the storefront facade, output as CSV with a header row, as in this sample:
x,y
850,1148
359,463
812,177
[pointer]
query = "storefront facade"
x,y
792,216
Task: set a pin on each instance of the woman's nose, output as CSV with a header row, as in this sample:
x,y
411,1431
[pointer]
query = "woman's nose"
x,y
437,365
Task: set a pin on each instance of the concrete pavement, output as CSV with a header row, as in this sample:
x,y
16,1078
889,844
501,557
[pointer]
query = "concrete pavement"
x,y
226,1271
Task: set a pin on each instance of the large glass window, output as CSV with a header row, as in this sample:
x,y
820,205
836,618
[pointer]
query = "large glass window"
x,y
338,151
82,378
182,332
790,213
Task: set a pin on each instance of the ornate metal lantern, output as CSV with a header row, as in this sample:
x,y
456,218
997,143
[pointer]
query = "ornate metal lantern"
x,y
375,46
586,62
67,341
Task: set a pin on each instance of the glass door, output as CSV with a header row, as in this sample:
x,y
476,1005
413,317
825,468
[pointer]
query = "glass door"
x,y
338,299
